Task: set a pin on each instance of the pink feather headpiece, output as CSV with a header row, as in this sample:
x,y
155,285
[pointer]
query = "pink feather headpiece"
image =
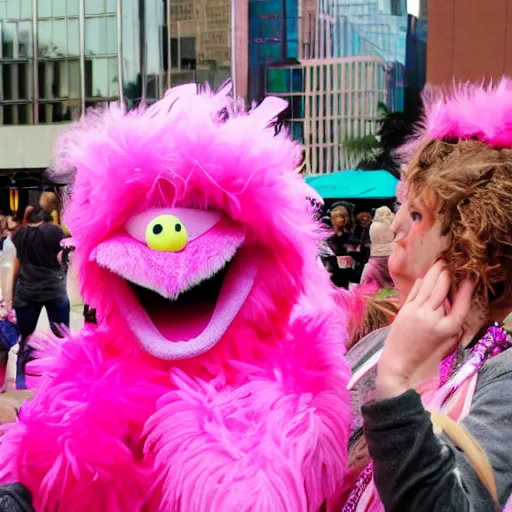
x,y
469,111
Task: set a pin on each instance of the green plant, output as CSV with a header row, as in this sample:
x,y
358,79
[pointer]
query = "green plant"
x,y
373,152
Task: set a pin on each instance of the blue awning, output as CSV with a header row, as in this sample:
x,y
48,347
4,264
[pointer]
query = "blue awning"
x,y
354,185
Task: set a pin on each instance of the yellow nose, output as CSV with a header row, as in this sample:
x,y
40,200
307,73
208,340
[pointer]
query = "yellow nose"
x,y
166,233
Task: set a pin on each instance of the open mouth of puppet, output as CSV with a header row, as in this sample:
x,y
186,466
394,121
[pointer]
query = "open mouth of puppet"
x,y
187,316
181,299
196,320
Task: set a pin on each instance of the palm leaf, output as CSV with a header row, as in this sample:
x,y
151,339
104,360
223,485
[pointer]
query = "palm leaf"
x,y
361,145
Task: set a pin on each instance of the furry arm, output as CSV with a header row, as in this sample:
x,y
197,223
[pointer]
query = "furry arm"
x,y
77,442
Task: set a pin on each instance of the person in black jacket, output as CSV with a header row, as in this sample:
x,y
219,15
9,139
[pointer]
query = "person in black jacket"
x,y
15,498
341,264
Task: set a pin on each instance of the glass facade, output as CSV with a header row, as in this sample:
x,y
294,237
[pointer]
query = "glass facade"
x,y
199,48
273,39
59,57
351,58
16,62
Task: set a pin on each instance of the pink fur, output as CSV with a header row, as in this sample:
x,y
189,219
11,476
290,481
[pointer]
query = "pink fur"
x,y
170,273
259,422
470,111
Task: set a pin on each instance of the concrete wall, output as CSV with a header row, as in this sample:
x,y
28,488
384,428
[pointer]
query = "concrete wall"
x,y
28,147
468,40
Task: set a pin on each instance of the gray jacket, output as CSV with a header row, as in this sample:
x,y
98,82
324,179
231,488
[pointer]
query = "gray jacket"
x,y
417,471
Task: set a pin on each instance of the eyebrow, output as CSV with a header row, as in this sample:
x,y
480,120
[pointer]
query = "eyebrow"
x,y
414,205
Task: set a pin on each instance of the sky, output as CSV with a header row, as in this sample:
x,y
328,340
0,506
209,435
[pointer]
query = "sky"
x,y
413,7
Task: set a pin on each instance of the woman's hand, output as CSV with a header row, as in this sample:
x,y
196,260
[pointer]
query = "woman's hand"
x,y
425,331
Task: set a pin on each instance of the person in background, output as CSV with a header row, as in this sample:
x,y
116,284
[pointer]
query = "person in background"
x,y
359,242
4,232
39,281
447,350
340,265
29,210
381,240
49,203
376,292
12,225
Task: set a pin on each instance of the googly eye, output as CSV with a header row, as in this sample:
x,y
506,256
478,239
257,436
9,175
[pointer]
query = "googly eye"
x,y
194,223
166,233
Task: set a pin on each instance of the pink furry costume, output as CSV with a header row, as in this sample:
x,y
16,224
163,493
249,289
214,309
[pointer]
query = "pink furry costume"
x,y
205,387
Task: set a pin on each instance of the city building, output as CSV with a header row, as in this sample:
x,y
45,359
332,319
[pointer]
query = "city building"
x,y
60,57
423,14
199,41
416,64
331,100
333,62
469,40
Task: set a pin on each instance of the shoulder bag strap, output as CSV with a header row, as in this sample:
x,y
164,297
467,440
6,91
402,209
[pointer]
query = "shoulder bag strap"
x,y
471,448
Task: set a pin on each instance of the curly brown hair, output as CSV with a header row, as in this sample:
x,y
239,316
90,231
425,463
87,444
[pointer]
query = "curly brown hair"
x,y
469,185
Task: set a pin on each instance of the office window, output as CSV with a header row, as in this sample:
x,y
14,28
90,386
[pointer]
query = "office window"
x,y
101,79
183,53
297,131
13,9
101,36
278,80
50,90
16,66
58,67
101,41
296,106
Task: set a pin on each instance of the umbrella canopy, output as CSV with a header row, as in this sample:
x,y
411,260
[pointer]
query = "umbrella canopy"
x,y
354,185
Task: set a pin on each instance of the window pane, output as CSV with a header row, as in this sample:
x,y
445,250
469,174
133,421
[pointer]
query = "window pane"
x,y
74,78
95,37
25,39
13,9
111,24
61,79
44,8
59,38
54,112
111,6
99,78
17,114
45,43
25,80
297,80
94,6
7,33
26,9
113,78
59,8
278,80
73,7
6,81
73,37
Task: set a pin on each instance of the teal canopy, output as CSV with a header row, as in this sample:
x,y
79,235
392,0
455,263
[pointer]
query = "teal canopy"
x,y
354,185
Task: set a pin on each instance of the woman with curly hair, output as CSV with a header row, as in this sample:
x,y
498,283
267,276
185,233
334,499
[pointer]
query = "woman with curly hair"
x,y
445,362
